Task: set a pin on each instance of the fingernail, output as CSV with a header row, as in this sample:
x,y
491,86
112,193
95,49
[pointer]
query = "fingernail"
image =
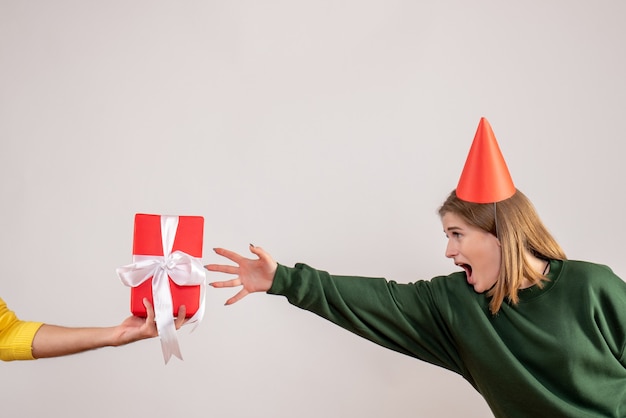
x,y
252,245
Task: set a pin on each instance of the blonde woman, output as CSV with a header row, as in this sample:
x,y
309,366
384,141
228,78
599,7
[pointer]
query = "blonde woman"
x,y
535,334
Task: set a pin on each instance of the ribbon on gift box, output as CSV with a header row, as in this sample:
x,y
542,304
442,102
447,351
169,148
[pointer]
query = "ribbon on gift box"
x,y
182,268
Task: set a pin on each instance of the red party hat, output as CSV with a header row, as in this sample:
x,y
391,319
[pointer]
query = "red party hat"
x,y
485,177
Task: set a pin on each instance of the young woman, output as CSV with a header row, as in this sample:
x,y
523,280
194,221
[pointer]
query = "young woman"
x,y
536,334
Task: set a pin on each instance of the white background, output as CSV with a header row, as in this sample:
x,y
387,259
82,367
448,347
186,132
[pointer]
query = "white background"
x,y
327,132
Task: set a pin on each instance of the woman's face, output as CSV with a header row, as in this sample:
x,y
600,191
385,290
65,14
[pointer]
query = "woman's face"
x,y
476,251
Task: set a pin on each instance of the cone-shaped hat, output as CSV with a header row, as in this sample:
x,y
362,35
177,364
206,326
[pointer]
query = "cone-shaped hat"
x,y
485,177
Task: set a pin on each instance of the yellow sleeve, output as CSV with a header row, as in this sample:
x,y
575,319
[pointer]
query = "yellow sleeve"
x,y
16,337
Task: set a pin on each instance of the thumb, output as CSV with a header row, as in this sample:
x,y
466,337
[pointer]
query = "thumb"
x,y
258,251
262,254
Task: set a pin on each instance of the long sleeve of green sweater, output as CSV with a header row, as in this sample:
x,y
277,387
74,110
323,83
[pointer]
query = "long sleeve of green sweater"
x,y
560,352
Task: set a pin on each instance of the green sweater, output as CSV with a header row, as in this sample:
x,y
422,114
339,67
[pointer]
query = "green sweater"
x,y
561,352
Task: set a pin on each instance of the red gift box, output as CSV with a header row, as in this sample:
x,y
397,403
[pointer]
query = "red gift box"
x,y
147,241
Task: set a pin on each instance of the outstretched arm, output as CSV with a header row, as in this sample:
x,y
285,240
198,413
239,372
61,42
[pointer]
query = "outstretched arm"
x,y
54,341
254,275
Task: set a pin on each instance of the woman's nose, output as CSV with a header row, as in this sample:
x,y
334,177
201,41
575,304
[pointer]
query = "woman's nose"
x,y
451,250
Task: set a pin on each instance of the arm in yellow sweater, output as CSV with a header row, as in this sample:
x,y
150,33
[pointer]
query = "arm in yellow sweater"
x,y
16,337
26,340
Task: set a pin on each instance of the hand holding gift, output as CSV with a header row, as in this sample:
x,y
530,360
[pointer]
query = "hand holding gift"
x,y
28,340
135,328
166,268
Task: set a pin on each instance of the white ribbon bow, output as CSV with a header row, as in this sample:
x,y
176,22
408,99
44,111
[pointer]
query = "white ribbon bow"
x,y
182,268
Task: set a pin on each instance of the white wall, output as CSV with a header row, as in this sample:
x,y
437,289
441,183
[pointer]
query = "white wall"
x,y
327,132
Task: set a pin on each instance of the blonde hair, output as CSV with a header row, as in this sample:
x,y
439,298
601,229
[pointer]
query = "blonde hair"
x,y
516,224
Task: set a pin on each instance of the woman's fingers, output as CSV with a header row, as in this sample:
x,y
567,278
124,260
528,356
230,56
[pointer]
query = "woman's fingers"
x,y
227,283
242,293
231,255
256,273
149,310
180,319
222,268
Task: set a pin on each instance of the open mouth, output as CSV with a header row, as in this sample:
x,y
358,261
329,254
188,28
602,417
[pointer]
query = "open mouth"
x,y
467,268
